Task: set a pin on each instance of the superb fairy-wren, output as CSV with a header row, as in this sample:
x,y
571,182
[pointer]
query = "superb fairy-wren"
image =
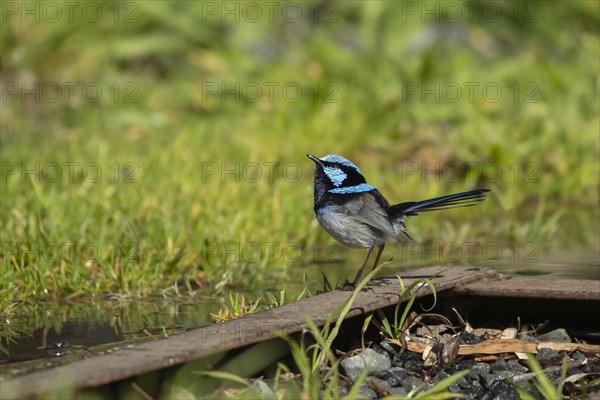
x,y
357,215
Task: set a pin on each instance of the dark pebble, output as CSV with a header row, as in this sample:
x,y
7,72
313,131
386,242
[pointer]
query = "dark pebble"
x,y
469,338
398,391
380,350
557,335
488,379
411,362
383,384
515,366
479,370
524,336
411,382
454,388
396,376
525,385
591,368
367,392
466,383
553,375
473,392
391,348
460,367
434,370
440,376
501,390
498,365
547,356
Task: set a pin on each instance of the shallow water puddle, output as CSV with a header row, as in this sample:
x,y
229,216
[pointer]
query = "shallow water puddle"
x,y
62,333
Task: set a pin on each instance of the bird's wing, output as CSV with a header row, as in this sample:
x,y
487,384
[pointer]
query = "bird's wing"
x,y
367,210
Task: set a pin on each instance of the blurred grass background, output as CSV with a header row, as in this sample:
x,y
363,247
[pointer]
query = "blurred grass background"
x,y
160,224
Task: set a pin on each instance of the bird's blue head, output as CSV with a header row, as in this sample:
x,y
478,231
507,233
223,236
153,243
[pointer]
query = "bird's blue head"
x,y
336,175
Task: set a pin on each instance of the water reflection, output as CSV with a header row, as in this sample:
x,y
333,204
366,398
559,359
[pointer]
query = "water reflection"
x,y
54,331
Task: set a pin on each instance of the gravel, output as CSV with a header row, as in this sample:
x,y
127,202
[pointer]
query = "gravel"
x,y
411,382
399,372
557,335
368,358
501,390
395,376
548,356
396,372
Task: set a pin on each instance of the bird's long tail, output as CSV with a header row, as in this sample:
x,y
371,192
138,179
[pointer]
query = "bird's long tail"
x,y
464,199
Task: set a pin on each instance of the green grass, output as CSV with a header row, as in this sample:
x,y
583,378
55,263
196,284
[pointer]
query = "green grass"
x,y
160,224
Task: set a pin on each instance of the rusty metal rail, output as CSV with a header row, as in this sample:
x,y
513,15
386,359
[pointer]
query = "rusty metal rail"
x,y
290,318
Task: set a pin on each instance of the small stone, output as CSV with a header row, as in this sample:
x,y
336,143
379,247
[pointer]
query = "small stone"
x,y
501,390
411,382
411,362
367,392
553,374
469,338
547,356
396,376
478,370
381,350
440,376
464,383
367,358
578,356
525,385
557,335
515,366
591,368
468,364
473,392
524,336
501,375
391,348
498,365
381,383
489,379
398,391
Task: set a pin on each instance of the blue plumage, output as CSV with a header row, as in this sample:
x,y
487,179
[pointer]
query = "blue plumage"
x,y
360,188
335,159
335,175
357,215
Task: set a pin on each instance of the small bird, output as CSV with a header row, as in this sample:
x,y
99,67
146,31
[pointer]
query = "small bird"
x,y
357,215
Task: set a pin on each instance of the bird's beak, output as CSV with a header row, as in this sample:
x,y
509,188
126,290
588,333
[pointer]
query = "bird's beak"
x,y
315,159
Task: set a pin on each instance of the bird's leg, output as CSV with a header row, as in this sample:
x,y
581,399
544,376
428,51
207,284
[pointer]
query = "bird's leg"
x,y
378,256
362,269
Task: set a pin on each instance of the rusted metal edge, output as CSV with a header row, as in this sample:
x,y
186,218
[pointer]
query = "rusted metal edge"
x,y
539,287
215,338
